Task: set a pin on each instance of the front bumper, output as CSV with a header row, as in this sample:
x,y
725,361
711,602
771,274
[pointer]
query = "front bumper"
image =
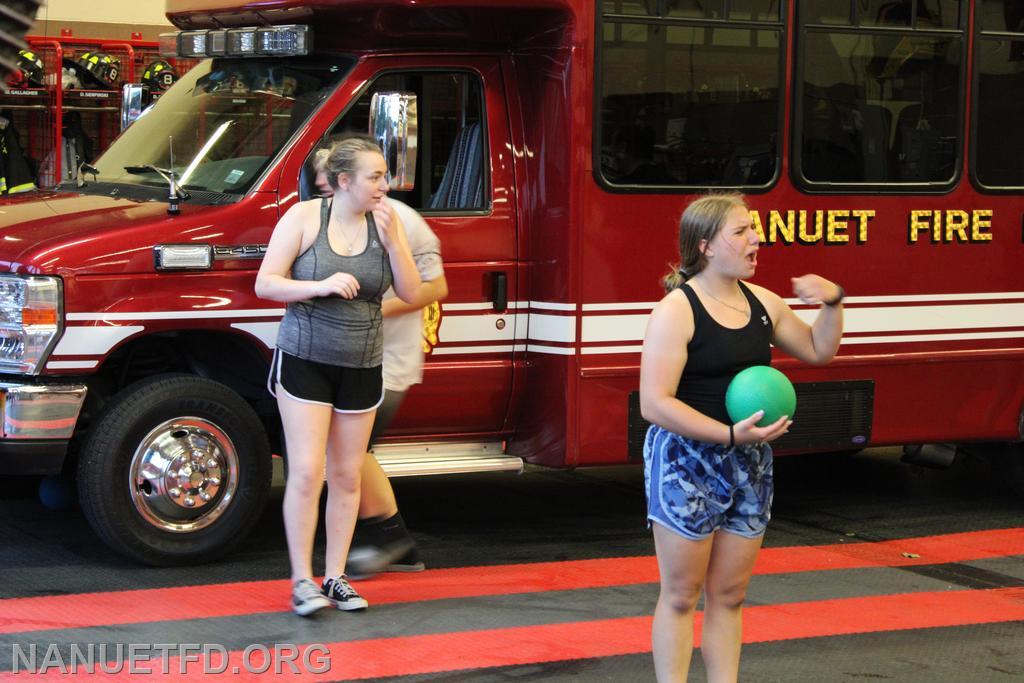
x,y
37,421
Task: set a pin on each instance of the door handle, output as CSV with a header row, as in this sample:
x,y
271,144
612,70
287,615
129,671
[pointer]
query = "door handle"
x,y
499,291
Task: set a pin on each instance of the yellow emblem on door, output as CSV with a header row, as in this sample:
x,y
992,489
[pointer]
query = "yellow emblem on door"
x,y
431,324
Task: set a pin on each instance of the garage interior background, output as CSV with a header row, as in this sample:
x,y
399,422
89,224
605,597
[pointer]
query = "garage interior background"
x,y
109,19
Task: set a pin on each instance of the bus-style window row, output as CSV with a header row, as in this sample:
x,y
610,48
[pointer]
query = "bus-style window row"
x,y
691,104
999,94
737,10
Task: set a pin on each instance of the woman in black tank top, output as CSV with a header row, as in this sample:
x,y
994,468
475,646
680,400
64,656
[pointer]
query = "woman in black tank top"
x,y
349,248
709,481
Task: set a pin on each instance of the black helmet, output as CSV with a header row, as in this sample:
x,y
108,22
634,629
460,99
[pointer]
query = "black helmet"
x,y
31,66
159,76
97,69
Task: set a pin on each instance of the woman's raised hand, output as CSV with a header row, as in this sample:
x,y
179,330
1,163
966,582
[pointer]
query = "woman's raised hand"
x,y
814,289
388,224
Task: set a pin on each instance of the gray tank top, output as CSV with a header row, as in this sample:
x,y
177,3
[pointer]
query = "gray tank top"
x,y
331,329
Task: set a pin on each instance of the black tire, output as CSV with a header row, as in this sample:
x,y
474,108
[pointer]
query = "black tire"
x,y
175,471
1010,467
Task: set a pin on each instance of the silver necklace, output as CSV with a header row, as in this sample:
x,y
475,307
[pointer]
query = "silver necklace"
x,y
349,242
745,311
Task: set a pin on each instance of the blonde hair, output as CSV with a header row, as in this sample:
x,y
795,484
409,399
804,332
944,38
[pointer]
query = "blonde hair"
x,y
341,155
701,220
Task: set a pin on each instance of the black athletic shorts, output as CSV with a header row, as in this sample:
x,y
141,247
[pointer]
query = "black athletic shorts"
x,y
347,390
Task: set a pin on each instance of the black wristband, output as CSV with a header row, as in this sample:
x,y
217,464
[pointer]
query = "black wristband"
x,y
732,437
839,298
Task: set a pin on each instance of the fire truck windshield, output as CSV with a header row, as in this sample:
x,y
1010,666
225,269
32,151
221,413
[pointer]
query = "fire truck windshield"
x,y
224,122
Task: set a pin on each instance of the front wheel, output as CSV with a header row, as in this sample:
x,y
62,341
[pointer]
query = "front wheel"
x,y
176,471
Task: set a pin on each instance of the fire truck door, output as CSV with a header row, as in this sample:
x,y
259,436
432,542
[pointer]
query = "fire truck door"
x,y
463,189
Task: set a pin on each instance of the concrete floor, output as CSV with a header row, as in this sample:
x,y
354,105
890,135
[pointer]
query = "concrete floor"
x,y
872,569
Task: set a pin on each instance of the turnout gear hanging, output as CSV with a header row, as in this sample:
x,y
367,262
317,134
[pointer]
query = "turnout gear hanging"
x,y
15,174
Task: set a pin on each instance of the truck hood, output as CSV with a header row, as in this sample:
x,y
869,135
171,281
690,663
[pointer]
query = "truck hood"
x,y
74,233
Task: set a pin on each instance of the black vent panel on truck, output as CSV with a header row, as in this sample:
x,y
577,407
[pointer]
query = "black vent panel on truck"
x,y
829,416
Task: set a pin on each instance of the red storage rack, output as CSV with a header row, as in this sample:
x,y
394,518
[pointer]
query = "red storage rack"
x,y
35,114
39,113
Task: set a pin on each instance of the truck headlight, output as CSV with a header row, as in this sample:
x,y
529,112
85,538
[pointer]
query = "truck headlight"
x,y
30,308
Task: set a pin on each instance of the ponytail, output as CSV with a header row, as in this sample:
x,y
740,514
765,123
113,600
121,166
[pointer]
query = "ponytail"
x,y
674,278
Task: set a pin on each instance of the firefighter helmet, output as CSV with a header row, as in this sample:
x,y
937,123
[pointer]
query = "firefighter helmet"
x,y
159,76
31,66
98,69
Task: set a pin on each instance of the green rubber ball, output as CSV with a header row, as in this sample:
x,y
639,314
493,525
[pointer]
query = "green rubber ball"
x,y
760,388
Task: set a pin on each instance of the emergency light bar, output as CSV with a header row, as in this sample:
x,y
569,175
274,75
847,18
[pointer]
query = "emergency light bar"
x,y
256,41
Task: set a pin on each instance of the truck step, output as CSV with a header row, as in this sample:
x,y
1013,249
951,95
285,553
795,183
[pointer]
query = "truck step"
x,y
445,457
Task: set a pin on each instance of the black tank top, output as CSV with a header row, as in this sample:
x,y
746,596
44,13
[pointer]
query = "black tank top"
x,y
717,353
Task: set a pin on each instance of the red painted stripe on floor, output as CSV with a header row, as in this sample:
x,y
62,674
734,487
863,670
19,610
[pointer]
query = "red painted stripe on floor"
x,y
907,552
223,600
518,646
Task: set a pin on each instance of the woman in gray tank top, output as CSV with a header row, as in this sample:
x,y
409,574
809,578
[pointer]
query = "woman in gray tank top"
x,y
331,260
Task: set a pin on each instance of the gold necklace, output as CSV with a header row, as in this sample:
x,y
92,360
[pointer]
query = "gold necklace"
x,y
745,312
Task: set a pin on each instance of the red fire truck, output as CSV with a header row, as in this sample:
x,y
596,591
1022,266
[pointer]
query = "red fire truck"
x,y
556,143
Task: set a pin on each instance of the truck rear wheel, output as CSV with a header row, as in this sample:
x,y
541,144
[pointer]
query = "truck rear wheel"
x,y
1010,466
175,471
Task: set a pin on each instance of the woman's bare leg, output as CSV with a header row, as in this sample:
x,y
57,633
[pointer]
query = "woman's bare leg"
x,y
682,564
732,562
377,498
346,447
306,426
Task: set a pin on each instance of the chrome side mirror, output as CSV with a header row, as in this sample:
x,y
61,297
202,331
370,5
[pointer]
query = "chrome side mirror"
x,y
134,98
393,126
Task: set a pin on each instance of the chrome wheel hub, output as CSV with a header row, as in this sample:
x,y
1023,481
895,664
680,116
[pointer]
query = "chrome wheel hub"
x,y
184,474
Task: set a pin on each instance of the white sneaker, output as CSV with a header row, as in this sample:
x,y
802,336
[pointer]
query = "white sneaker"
x,y
307,598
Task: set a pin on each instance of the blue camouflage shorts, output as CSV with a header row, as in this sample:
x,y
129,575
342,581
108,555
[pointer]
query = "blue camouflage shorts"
x,y
695,488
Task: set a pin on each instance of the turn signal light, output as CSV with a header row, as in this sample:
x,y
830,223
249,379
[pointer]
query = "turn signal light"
x,y
38,316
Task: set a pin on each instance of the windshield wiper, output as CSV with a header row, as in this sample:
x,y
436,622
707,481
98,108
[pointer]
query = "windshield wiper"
x,y
83,168
175,192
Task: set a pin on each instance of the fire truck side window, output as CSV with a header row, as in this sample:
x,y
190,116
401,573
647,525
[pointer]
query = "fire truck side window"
x,y
451,140
687,99
879,106
999,92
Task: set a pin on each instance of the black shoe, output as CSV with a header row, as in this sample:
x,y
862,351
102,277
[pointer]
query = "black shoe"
x,y
410,562
368,560
342,595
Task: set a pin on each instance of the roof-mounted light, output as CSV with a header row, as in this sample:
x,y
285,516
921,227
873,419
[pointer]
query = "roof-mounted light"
x,y
168,44
281,41
192,44
216,43
241,42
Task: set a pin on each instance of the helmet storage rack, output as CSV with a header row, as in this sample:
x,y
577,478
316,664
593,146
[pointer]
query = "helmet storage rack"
x,y
63,124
